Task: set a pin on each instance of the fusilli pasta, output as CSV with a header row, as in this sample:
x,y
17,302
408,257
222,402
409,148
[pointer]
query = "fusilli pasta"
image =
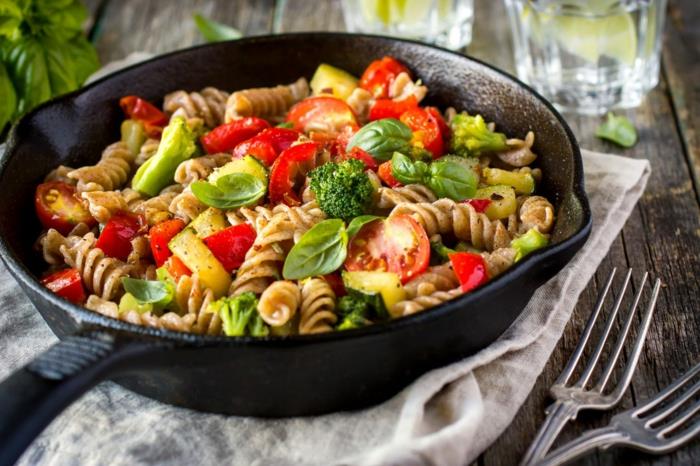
x,y
266,102
209,104
279,302
317,305
109,173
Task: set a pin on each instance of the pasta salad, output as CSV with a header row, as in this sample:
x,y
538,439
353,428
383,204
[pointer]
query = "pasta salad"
x,y
301,208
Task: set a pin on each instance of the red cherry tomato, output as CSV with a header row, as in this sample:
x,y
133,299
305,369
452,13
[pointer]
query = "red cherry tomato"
x,y
480,205
267,145
160,235
330,114
426,130
230,245
398,244
336,283
176,268
386,175
470,269
136,108
442,124
67,284
387,108
226,137
379,75
116,236
57,206
358,154
289,169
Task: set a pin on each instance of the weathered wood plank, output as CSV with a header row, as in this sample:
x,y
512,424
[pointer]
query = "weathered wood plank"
x,y
681,63
302,15
159,26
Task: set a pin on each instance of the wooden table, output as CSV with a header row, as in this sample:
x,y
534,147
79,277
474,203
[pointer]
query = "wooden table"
x,y
662,235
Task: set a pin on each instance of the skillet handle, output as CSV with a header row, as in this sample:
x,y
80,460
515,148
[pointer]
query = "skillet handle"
x,y
35,394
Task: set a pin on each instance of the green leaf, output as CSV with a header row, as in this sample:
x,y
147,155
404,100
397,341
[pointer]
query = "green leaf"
x,y
358,222
59,65
215,32
84,58
230,191
26,65
452,179
285,124
406,170
618,129
10,19
8,98
148,291
58,19
320,251
382,138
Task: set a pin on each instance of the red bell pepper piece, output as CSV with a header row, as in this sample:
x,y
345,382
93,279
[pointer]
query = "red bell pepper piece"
x,y
67,284
470,269
362,156
116,236
149,115
336,284
160,235
176,268
226,137
480,205
267,145
231,244
386,175
387,108
379,75
289,165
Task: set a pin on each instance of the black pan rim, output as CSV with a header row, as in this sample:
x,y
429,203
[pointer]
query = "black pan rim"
x,y
91,320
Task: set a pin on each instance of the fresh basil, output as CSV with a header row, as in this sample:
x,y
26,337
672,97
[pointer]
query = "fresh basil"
x,y
285,124
406,170
320,250
449,178
382,138
230,191
8,98
149,291
213,31
358,222
618,129
27,68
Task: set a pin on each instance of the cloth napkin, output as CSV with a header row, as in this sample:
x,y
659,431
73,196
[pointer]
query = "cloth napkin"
x,y
446,417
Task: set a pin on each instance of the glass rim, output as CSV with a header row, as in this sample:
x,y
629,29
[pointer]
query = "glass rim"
x,y
583,9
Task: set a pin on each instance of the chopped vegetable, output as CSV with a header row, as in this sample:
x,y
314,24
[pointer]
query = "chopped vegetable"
x,y
331,80
387,108
138,109
329,113
230,191
385,173
529,242
358,222
133,135
129,303
503,202
68,284
267,145
354,312
480,205
213,31
387,284
230,245
197,257
247,164
209,222
155,292
618,129
58,207
382,138
523,183
426,127
115,238
176,146
358,154
226,137
240,316
174,268
379,75
470,270
440,251
160,235
471,136
289,169
320,251
343,190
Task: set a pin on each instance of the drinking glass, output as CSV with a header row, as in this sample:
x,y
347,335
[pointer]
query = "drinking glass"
x,y
587,56
447,23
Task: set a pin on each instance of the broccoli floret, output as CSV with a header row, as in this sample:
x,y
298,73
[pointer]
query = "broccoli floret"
x,y
240,316
354,312
471,136
343,190
439,252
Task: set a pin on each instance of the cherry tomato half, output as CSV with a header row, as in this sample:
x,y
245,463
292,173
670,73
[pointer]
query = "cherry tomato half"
x,y
226,137
267,145
398,244
387,108
149,115
67,284
379,75
57,206
426,130
288,171
329,114
231,244
385,174
470,269
160,235
116,236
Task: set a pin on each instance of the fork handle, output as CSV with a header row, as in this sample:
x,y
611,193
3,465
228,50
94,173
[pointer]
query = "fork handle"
x,y
558,414
597,438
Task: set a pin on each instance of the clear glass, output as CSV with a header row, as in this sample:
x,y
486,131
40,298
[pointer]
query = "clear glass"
x,y
447,23
588,56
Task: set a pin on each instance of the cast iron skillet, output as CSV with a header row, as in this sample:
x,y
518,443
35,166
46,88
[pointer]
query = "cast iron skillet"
x,y
292,376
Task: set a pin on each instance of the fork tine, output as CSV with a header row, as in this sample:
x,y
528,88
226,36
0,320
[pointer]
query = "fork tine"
x,y
685,415
573,360
593,361
674,405
666,392
639,342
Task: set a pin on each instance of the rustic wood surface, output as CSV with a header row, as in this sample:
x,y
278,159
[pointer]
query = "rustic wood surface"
x,y
662,235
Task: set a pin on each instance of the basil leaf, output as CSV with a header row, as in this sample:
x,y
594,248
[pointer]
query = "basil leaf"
x,y
358,222
84,58
382,138
618,129
10,19
215,32
448,178
26,65
285,124
230,191
406,170
320,250
8,98
149,291
59,19
59,66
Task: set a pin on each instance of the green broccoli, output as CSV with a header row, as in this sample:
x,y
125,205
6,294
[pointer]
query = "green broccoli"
x,y
354,312
471,136
529,242
343,190
239,315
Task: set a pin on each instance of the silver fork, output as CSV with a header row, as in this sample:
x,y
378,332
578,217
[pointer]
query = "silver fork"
x,y
572,398
653,427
